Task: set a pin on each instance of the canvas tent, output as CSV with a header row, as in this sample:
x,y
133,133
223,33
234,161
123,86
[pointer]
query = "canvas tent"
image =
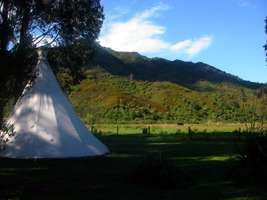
x,y
45,124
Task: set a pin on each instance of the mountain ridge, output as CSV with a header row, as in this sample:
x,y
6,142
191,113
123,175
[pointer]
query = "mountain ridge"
x,y
129,87
160,69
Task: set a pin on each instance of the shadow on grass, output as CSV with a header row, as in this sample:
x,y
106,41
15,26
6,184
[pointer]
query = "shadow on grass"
x,y
164,137
208,163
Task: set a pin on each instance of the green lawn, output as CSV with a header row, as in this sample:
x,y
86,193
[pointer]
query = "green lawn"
x,y
161,128
210,165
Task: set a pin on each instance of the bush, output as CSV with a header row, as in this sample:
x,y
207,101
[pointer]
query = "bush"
x,y
253,159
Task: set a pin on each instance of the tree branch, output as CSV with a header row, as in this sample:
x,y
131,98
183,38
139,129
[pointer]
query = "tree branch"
x,y
49,42
44,34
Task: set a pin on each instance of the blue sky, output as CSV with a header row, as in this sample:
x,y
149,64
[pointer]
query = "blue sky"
x,y
228,34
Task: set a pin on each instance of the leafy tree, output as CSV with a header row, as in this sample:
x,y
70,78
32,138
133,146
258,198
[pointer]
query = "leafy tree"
x,y
31,22
25,24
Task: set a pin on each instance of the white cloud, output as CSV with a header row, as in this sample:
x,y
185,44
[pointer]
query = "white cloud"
x,y
192,47
134,35
199,45
137,34
152,12
180,46
141,34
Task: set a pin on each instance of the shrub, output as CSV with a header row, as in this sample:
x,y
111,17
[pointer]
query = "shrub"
x,y
253,158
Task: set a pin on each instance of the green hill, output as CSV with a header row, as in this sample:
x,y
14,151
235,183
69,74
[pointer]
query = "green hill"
x,y
159,69
127,86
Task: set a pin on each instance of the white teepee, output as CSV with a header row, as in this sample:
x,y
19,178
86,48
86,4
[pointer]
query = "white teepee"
x,y
45,123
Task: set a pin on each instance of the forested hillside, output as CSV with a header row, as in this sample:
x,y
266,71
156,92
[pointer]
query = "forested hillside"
x,y
159,69
129,87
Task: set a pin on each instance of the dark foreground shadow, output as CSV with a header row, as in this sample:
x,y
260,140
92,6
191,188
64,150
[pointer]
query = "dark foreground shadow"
x,y
208,164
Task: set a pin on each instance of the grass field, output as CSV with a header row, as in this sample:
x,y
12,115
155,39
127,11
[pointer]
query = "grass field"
x,y
210,165
169,128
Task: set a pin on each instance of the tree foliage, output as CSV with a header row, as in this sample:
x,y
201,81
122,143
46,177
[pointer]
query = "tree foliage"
x,y
26,24
121,86
68,62
107,98
34,22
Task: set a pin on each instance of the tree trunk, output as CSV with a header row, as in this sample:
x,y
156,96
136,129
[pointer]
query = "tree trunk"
x,y
24,42
22,49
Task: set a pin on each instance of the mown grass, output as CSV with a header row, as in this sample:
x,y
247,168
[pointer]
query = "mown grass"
x,y
210,164
161,128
